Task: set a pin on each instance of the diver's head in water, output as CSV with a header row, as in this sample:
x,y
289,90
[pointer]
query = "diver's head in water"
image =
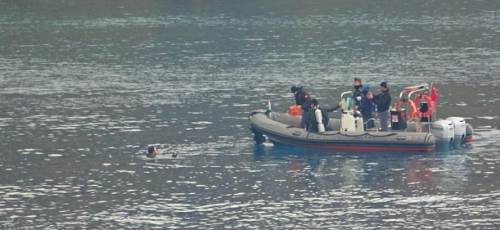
x,y
152,151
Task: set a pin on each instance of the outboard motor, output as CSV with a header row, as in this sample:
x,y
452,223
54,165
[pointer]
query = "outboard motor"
x,y
460,130
398,119
444,133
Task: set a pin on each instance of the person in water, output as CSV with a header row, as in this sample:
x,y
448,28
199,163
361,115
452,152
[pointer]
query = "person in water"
x,y
312,123
152,151
303,99
367,108
383,102
357,93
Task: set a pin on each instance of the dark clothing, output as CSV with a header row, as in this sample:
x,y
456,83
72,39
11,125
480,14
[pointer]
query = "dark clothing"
x,y
357,95
425,119
332,109
312,123
384,120
303,99
383,101
304,120
424,107
367,107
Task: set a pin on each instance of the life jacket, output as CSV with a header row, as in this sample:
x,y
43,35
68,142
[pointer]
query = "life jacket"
x,y
294,110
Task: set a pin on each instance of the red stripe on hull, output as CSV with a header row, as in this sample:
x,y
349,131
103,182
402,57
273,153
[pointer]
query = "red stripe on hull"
x,y
373,148
351,147
468,139
358,148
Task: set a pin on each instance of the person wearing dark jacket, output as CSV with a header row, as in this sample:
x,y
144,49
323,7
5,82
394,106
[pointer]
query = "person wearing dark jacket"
x,y
357,93
312,122
383,102
303,99
332,109
367,108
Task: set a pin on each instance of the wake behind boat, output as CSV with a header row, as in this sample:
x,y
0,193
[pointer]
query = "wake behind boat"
x,y
348,132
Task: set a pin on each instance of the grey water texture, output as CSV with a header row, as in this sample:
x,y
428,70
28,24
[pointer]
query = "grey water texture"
x,y
86,86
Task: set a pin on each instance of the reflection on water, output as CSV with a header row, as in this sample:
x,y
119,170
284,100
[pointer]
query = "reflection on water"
x,y
86,86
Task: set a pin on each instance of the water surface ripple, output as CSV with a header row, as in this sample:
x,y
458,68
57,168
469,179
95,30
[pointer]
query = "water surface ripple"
x,y
85,86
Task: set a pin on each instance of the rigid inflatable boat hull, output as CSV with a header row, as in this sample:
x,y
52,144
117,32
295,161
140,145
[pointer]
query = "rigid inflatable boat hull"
x,y
287,133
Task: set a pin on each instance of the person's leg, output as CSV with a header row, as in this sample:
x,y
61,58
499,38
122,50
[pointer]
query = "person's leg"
x,y
425,124
304,120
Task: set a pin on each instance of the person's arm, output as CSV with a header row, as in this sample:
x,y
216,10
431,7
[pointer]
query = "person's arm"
x,y
376,98
333,108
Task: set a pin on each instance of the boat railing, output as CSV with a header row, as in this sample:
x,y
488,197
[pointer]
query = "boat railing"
x,y
346,102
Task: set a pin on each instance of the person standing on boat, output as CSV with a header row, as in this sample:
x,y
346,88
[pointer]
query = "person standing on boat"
x,y
303,99
367,108
383,102
357,93
312,122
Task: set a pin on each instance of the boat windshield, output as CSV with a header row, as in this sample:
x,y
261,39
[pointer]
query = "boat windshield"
x,y
347,103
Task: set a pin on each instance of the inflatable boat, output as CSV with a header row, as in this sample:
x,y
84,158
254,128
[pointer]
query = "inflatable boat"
x,y
349,134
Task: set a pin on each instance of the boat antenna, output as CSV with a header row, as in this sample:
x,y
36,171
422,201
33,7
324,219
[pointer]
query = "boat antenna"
x,y
269,108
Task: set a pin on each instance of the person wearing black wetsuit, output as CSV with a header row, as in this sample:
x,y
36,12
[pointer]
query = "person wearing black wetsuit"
x,y
303,99
312,123
357,93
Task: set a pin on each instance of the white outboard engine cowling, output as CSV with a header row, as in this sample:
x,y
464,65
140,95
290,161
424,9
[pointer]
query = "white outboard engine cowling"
x,y
444,132
460,130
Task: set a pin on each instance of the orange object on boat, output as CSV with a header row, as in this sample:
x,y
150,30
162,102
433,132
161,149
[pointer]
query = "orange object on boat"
x,y
430,104
412,110
294,110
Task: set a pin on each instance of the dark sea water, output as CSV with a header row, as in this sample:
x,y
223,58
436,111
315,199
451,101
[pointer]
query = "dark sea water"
x,y
85,86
